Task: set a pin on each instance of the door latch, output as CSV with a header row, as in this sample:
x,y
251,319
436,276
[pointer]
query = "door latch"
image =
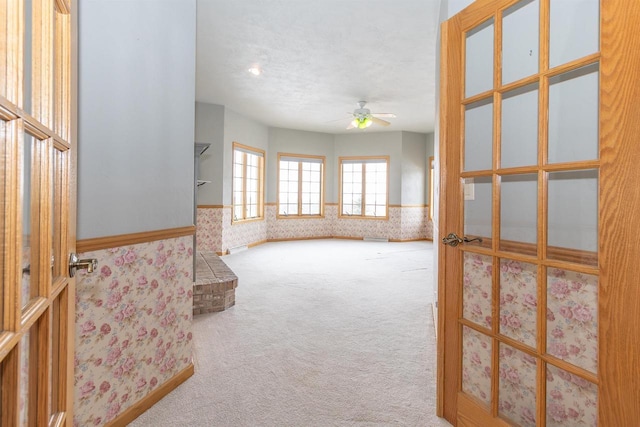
x,y
452,239
75,264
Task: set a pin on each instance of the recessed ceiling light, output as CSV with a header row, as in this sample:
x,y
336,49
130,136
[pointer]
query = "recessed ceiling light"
x,y
255,71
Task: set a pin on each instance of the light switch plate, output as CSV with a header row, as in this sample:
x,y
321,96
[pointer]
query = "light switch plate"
x,y
469,189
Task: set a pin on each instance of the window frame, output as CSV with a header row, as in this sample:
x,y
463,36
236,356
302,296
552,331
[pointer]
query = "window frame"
x,y
301,159
260,154
364,160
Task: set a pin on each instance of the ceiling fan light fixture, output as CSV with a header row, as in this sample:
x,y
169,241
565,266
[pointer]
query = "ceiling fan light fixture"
x,y
362,122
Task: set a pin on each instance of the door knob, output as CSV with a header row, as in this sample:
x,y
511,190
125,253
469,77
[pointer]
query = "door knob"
x,y
75,264
452,239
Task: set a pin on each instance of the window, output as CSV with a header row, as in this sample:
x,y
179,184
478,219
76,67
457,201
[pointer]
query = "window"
x,y
247,187
300,185
364,187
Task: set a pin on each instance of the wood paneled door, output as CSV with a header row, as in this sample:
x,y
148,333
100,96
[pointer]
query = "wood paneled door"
x,y
37,234
540,311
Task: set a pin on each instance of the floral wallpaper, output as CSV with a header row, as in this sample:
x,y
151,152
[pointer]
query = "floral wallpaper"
x,y
572,317
133,326
571,400
209,229
215,232
415,223
518,301
299,227
242,233
384,229
476,365
477,285
517,389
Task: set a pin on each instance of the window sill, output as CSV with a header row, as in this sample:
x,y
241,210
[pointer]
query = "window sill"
x,y
245,221
300,216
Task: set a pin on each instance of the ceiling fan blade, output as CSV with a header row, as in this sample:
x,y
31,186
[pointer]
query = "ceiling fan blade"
x,y
351,126
380,121
391,115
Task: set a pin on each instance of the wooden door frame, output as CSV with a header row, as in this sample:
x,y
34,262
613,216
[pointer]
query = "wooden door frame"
x,y
619,222
73,211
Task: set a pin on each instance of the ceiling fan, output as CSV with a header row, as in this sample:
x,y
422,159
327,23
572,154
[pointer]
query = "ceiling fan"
x,y
363,117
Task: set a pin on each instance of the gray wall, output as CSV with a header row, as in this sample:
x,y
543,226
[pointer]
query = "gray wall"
x,y
408,153
210,129
243,130
300,142
414,175
136,95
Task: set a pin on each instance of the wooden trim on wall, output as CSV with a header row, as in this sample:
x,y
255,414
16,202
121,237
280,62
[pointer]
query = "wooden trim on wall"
x,y
214,206
88,245
409,206
290,239
152,398
259,242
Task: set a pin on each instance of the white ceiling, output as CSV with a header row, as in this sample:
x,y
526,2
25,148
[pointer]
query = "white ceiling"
x,y
319,57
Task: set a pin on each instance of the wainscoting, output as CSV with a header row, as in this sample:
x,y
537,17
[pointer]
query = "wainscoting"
x,y
216,233
133,324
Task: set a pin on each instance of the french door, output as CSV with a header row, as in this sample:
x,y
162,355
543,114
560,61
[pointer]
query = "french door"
x,y
540,309
37,217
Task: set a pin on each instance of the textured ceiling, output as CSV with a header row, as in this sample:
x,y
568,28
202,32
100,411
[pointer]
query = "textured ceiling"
x,y
319,57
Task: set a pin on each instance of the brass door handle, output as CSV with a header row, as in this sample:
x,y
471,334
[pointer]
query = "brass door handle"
x,y
75,264
452,239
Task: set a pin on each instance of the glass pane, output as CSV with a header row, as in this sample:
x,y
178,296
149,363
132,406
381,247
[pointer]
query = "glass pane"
x,y
477,208
520,40
478,135
23,378
573,30
27,211
519,136
573,115
237,213
572,317
476,293
55,211
476,365
479,59
519,213
571,400
519,301
27,59
517,389
573,216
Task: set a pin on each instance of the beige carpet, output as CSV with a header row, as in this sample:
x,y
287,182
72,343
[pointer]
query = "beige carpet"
x,y
324,333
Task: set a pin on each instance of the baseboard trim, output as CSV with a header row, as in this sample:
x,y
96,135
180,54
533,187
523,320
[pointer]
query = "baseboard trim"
x,y
259,242
152,398
88,245
289,239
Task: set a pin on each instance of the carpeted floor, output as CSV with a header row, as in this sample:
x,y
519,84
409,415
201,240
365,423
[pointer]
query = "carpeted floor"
x,y
324,333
